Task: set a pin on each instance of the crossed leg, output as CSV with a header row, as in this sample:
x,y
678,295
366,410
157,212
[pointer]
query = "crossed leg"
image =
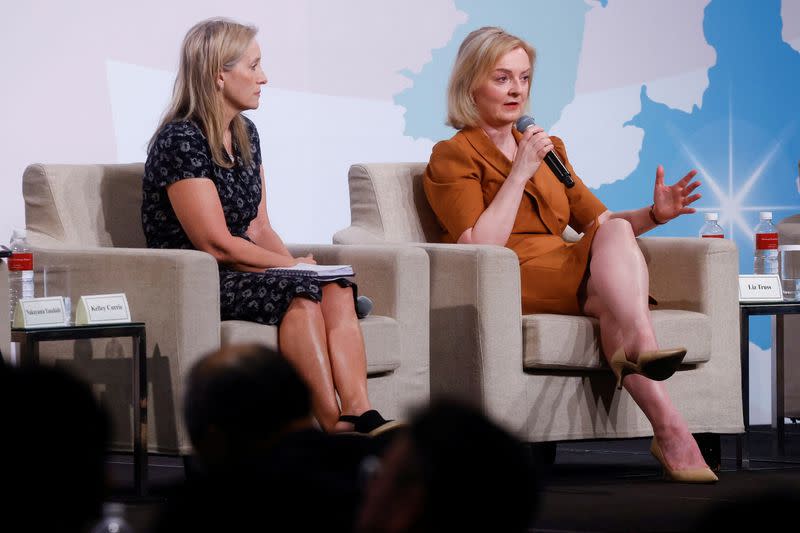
x,y
616,294
325,345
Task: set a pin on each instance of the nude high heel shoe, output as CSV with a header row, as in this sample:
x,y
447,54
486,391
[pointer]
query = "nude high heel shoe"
x,y
657,365
690,475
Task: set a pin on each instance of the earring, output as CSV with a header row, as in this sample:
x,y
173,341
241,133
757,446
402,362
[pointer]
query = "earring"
x,y
220,85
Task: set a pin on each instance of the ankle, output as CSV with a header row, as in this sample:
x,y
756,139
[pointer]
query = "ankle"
x,y
671,435
355,407
639,348
327,419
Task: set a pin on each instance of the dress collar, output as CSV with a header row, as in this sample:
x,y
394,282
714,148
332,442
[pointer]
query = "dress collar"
x,y
484,145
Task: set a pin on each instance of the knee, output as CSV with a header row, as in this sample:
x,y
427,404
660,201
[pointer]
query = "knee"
x,y
309,309
341,315
618,233
338,301
618,229
337,293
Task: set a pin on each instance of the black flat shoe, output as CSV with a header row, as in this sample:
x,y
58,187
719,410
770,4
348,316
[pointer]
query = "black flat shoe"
x,y
371,423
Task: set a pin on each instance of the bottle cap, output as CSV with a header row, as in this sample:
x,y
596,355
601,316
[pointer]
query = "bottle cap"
x,y
711,216
765,215
19,233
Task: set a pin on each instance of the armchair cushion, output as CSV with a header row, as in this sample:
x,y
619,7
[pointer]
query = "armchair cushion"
x,y
562,342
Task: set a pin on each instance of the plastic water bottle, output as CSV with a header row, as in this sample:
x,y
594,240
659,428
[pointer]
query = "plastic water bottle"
x,y
20,270
113,520
766,256
711,229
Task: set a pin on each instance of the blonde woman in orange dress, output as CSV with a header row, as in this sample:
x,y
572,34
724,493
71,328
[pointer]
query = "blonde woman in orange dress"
x,y
487,185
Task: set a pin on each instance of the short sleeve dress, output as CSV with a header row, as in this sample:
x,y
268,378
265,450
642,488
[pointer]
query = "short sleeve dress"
x,y
462,178
181,151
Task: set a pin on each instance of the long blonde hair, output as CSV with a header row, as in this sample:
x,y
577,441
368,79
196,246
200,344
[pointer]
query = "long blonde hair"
x,y
477,56
210,47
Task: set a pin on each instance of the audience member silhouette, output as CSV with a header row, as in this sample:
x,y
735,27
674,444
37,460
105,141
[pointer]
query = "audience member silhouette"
x,y
55,436
452,470
262,460
239,401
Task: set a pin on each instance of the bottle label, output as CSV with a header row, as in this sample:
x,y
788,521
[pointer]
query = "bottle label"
x,y
718,236
24,261
27,284
766,241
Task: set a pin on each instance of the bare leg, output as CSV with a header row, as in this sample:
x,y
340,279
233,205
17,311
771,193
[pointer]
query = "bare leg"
x,y
303,342
346,348
616,294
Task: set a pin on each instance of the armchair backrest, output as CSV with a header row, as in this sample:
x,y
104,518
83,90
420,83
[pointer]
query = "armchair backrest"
x,y
387,200
84,205
789,230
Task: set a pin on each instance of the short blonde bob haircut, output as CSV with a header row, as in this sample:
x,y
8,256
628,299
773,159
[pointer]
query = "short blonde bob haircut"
x,y
477,56
210,47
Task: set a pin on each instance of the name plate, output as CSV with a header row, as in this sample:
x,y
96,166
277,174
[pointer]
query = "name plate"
x,y
102,309
40,313
760,288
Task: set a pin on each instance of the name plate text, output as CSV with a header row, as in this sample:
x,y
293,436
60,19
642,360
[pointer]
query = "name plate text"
x,y
40,313
760,288
102,309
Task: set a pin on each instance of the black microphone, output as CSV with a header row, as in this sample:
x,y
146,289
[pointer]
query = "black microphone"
x,y
551,158
363,306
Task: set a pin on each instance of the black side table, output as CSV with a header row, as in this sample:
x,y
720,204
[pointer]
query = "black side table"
x,y
29,340
746,310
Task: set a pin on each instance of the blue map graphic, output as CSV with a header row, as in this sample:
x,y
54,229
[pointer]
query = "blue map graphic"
x,y
542,22
743,139
744,135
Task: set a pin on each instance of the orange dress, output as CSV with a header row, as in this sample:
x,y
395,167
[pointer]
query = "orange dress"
x,y
463,177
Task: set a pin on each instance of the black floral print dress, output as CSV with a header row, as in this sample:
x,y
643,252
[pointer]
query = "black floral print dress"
x,y
181,151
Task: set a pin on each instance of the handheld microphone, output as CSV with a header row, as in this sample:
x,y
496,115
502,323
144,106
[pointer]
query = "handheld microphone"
x,y
363,306
551,158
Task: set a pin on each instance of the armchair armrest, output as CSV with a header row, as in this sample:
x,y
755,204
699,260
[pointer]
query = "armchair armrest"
x,y
356,235
475,321
702,275
692,274
396,278
175,292
475,317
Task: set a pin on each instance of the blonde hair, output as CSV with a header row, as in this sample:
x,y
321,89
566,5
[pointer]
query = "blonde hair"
x,y
210,47
477,56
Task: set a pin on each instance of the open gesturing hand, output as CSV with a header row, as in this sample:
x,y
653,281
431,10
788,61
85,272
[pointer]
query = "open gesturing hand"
x,y
670,201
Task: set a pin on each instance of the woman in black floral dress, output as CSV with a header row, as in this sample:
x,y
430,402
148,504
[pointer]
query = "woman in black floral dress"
x,y
203,189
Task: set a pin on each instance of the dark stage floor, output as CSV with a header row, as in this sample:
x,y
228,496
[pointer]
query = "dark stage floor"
x,y
603,486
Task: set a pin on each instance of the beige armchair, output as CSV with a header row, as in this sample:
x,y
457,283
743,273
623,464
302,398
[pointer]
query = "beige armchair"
x,y
543,375
86,218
